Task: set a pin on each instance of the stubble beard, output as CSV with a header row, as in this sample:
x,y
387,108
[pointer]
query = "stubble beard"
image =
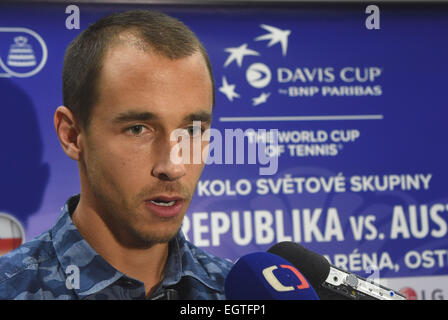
x,y
122,217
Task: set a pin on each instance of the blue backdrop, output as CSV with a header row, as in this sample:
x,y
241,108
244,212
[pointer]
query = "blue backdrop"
x,y
360,116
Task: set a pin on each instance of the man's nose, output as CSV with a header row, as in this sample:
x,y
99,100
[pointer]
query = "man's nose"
x,y
164,167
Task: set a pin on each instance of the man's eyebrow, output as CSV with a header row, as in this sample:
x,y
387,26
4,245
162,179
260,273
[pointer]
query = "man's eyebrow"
x,y
129,116
203,116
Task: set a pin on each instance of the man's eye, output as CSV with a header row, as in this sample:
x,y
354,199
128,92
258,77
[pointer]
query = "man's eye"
x,y
194,131
136,130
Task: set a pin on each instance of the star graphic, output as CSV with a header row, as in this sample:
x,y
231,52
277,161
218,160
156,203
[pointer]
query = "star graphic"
x,y
228,89
262,98
276,35
237,54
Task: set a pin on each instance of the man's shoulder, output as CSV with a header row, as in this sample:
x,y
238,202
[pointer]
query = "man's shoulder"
x,y
26,256
27,266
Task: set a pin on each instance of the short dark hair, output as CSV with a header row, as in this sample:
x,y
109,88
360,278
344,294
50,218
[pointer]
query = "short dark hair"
x,y
83,59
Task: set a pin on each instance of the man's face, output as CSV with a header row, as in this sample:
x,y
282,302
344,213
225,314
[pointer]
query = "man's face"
x,y
140,194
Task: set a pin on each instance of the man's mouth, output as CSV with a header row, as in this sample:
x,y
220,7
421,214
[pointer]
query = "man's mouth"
x,y
164,203
165,206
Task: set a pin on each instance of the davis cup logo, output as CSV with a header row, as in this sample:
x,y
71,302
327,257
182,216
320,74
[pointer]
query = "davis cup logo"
x,y
23,52
258,69
258,75
12,234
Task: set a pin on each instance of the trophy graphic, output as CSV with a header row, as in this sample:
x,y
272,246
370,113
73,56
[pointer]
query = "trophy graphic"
x,y
21,54
22,60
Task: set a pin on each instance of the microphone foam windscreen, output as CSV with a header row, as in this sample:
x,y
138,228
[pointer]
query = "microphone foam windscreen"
x,y
266,276
312,265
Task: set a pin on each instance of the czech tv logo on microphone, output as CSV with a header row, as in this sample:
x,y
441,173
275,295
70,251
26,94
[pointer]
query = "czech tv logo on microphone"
x,y
285,278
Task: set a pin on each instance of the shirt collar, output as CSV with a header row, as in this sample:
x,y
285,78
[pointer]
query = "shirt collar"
x,y
95,273
185,260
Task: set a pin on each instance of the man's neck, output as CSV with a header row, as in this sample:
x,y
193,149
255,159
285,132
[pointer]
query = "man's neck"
x,y
143,264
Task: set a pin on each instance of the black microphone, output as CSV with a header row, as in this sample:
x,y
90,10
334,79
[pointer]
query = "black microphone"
x,y
266,276
331,282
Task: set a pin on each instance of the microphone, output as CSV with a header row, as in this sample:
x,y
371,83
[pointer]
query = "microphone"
x,y
266,276
330,281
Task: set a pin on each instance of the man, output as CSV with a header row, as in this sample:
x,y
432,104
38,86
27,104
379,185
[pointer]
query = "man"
x,y
129,81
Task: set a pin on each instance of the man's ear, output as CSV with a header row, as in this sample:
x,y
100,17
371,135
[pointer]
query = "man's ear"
x,y
68,132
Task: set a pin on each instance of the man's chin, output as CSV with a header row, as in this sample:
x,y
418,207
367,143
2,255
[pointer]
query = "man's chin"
x,y
147,239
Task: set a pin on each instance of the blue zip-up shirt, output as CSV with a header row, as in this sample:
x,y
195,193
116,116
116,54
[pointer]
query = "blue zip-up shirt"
x,y
60,264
